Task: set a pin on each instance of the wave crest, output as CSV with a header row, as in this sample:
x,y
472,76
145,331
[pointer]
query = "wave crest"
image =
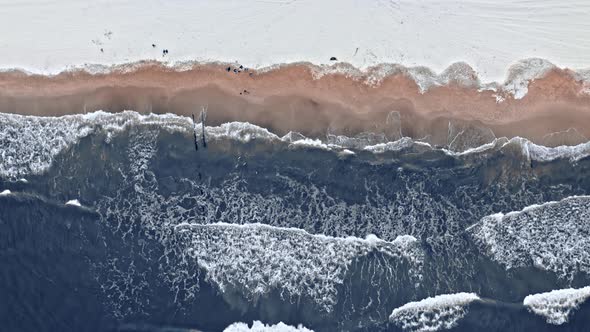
x,y
258,326
433,313
257,258
557,305
551,237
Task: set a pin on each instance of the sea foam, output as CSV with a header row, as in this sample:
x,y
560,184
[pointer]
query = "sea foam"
x,y
31,142
557,305
73,202
551,236
258,258
258,326
434,313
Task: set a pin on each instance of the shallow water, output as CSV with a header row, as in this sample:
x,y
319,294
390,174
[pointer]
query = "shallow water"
x,y
331,240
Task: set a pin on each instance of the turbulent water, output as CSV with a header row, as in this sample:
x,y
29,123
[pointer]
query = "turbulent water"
x,y
118,222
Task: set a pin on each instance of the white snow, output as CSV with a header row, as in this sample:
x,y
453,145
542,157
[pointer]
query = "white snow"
x,y
258,326
5,192
489,36
434,313
74,202
557,305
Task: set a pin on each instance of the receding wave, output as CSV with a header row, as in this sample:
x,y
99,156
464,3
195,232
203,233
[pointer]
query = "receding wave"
x,y
30,143
518,76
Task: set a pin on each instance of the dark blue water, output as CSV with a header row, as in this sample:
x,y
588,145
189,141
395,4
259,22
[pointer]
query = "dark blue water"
x,y
156,244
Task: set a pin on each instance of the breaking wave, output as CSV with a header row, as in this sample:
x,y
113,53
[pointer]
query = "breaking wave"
x,y
441,312
258,326
551,237
29,143
557,305
288,228
259,258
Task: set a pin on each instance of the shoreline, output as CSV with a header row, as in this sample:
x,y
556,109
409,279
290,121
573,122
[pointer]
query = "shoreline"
x,y
314,100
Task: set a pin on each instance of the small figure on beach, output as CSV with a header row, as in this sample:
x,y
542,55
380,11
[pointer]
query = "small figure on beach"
x,y
333,59
154,45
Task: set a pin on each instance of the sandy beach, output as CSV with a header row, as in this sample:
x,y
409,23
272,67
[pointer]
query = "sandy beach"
x,y
299,97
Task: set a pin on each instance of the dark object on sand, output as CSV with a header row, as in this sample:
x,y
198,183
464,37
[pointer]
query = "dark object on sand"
x,y
228,69
195,134
333,59
154,45
101,50
203,117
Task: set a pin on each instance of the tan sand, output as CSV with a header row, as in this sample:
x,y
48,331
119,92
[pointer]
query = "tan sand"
x,y
290,98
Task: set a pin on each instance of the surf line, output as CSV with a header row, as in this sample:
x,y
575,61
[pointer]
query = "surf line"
x,y
203,116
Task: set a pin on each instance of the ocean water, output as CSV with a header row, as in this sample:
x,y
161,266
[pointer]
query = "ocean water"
x,y
117,222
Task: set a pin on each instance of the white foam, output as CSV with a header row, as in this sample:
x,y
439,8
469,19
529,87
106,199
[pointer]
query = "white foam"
x,y
32,142
240,131
5,192
434,313
257,258
543,153
479,149
73,202
459,73
530,150
310,143
258,326
346,152
557,305
401,144
551,236
523,72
